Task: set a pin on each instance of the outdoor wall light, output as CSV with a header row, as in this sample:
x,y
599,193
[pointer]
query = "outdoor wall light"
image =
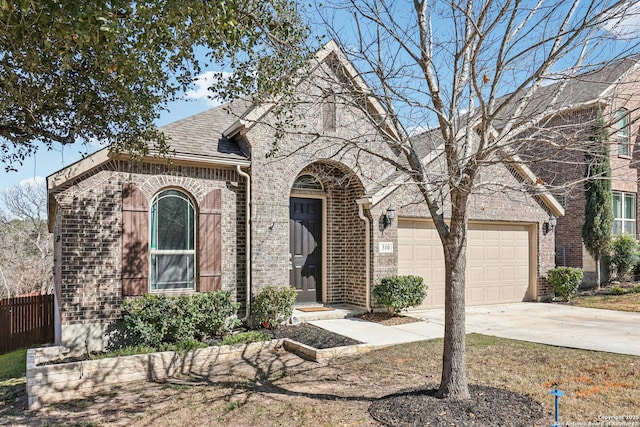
x,y
388,216
551,224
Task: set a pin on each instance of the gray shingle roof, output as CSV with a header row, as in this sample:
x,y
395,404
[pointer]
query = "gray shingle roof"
x,y
201,134
580,89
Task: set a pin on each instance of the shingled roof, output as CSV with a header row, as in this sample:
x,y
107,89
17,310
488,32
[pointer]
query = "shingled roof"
x,y
579,90
201,135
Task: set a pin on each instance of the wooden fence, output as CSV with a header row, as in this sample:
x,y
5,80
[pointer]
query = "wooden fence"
x,y
26,321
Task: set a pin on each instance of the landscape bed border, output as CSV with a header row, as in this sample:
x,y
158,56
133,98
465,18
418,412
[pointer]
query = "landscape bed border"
x,y
50,383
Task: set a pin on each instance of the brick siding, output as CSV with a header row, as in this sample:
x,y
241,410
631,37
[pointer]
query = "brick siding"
x,y
88,233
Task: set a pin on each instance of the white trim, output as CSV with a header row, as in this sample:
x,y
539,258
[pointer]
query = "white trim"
x,y
365,203
622,219
194,234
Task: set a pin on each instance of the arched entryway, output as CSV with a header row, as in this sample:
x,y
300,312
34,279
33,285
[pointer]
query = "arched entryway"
x,y
326,240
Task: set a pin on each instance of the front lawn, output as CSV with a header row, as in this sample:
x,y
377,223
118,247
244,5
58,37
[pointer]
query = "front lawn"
x,y
12,382
279,388
626,302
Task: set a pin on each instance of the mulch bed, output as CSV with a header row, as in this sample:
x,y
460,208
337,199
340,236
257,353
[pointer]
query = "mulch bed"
x,y
488,406
313,336
388,319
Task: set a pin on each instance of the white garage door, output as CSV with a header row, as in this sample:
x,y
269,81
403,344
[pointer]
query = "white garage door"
x,y
497,261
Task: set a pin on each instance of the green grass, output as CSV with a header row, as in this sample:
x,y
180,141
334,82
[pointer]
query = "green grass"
x,y
626,302
13,365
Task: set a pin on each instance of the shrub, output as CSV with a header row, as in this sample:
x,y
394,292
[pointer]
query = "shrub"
x,y
398,293
145,319
617,290
565,281
636,289
623,255
216,313
636,268
274,304
156,320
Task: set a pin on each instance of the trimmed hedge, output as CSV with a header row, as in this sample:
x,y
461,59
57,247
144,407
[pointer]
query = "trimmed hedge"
x,y
154,320
398,293
565,281
274,305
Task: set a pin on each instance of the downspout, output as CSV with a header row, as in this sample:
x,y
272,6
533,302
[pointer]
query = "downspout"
x,y
247,240
367,257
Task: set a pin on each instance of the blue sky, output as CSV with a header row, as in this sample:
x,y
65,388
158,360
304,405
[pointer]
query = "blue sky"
x,y
44,163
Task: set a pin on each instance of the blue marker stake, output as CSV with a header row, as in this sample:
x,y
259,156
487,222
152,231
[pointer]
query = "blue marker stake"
x,y
557,393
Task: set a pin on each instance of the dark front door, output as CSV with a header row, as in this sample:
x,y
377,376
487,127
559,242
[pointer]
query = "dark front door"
x,y
305,246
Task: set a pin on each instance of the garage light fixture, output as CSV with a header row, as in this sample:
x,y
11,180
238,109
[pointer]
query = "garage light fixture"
x,y
388,216
551,224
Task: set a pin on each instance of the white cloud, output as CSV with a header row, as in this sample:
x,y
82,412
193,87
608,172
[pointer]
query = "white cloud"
x,y
32,182
625,21
201,86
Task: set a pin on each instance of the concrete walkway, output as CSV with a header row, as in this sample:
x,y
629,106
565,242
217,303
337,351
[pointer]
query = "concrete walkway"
x,y
553,324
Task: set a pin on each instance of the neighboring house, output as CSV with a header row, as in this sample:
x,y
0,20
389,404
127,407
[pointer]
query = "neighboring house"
x,y
230,213
616,89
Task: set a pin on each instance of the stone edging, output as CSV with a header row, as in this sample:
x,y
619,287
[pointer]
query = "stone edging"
x,y
74,380
321,355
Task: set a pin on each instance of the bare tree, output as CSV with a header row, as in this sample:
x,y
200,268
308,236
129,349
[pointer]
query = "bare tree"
x,y
483,79
27,254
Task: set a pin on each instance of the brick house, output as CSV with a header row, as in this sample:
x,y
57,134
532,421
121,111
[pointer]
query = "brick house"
x,y
230,213
615,89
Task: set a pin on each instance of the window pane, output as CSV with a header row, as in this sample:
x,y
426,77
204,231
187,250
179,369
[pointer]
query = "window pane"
x,y
617,205
623,126
629,206
307,182
175,222
623,149
172,271
623,132
630,228
172,241
617,227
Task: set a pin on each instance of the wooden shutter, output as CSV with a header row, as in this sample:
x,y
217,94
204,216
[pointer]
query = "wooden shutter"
x,y
135,241
210,242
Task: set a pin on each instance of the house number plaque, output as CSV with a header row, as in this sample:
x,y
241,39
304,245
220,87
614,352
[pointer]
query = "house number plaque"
x,y
385,247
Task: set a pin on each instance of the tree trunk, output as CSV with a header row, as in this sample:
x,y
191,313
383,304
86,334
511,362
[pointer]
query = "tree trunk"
x,y
453,384
598,273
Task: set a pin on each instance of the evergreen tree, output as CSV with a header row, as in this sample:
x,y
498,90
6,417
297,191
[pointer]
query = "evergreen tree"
x,y
598,209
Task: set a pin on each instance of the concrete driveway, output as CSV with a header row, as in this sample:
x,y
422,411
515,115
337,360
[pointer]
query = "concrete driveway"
x,y
554,324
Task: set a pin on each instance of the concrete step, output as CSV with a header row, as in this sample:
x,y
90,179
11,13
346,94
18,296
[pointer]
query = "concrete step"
x,y
336,312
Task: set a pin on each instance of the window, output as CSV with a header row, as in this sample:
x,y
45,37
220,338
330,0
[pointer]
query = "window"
x,y
307,182
329,111
622,133
624,213
172,241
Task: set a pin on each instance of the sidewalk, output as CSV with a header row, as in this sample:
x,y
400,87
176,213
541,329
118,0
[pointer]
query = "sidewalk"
x,y
380,335
552,324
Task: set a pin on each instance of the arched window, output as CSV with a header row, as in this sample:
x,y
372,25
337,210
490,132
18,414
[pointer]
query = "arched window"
x,y
173,237
307,182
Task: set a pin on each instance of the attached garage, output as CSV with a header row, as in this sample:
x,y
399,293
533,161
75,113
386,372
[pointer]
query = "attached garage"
x,y
500,261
